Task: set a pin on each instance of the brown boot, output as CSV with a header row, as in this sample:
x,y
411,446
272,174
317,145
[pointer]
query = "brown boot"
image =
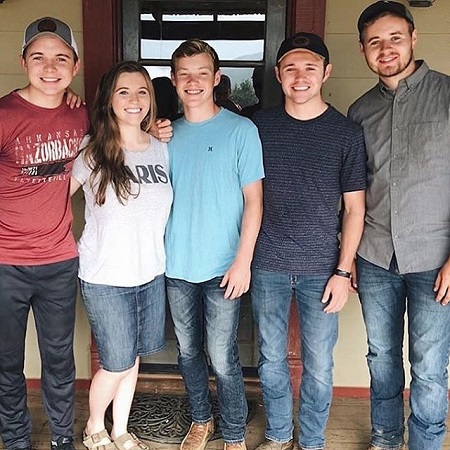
x,y
198,436
234,446
268,444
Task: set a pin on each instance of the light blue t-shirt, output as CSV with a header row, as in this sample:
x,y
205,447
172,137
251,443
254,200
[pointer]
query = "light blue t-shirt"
x,y
210,163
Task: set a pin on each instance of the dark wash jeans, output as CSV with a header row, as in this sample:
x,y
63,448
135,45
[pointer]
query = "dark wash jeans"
x,y
50,290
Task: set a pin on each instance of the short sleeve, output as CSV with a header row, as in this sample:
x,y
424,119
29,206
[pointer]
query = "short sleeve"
x,y
354,169
250,159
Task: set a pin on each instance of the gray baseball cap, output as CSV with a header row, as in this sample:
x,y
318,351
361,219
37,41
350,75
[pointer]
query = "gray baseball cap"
x,y
49,26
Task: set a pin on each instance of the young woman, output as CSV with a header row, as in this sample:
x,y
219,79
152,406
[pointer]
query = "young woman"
x,y
124,172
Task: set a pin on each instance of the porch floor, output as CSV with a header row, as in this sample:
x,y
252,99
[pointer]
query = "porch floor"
x,y
348,426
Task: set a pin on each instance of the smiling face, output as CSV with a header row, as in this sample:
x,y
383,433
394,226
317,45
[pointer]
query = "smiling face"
x,y
131,99
194,79
388,45
301,75
50,66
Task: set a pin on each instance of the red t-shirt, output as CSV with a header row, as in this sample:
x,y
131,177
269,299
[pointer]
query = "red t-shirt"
x,y
37,149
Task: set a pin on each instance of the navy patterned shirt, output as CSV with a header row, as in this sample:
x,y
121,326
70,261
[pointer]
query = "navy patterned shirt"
x,y
309,164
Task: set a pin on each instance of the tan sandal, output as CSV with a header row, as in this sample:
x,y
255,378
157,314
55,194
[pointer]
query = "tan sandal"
x,y
129,441
98,441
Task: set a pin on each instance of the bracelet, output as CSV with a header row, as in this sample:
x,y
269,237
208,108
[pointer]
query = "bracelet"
x,y
342,273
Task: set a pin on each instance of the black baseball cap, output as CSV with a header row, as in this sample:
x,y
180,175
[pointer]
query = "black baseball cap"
x,y
380,7
49,26
303,41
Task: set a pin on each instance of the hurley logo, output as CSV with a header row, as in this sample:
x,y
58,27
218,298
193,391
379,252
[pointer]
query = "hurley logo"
x,y
210,149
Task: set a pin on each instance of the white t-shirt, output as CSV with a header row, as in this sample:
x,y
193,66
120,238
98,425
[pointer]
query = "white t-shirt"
x,y
123,244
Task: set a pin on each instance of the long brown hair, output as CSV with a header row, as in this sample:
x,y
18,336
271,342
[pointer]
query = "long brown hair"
x,y
103,153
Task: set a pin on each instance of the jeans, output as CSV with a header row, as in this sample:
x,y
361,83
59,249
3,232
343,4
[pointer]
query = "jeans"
x,y
126,321
200,313
271,298
385,297
50,290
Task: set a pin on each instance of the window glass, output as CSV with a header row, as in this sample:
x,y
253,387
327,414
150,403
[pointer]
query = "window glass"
x,y
235,31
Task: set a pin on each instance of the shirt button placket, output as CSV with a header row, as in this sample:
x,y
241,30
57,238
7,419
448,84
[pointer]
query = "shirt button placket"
x,y
395,175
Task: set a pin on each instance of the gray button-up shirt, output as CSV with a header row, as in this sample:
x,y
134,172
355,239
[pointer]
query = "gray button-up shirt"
x,y
407,136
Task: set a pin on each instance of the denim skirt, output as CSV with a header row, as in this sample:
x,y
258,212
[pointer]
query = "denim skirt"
x,y
127,322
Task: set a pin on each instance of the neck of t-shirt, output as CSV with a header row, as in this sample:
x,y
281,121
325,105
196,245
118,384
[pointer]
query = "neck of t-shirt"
x,y
201,113
306,111
37,98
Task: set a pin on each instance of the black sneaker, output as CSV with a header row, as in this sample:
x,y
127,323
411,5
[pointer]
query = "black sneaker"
x,y
62,443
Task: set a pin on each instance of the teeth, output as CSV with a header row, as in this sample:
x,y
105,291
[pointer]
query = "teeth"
x,y
193,91
133,110
49,79
300,88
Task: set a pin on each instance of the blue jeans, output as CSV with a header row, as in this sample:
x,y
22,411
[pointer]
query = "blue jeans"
x,y
126,321
385,297
271,298
200,313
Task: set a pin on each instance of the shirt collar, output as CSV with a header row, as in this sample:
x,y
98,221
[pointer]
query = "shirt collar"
x,y
409,83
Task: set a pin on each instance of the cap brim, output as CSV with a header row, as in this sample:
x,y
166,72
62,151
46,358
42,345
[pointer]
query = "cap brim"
x,y
294,50
48,34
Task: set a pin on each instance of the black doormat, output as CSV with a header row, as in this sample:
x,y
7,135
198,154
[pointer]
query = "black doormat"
x,y
166,418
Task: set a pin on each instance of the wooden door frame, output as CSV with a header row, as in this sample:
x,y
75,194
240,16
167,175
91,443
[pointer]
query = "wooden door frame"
x,y
102,41
306,15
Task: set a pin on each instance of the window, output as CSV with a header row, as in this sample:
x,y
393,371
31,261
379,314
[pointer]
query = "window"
x,y
237,30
